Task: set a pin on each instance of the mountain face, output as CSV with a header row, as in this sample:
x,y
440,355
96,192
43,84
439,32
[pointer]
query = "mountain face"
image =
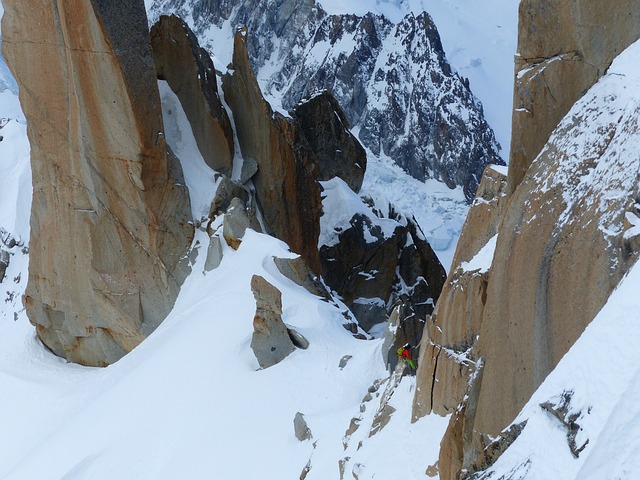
x,y
541,252
392,80
106,256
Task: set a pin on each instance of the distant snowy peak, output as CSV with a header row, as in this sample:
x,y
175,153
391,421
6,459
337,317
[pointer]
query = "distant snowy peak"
x,y
392,79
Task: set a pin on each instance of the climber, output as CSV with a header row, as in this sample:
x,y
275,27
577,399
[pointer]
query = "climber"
x,y
403,352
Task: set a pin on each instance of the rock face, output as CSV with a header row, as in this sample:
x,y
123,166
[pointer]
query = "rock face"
x,y
286,174
564,47
326,128
104,185
447,349
392,79
565,239
376,259
189,71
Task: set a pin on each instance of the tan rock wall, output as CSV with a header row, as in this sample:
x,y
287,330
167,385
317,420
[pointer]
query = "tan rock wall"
x,y
564,47
108,224
286,187
447,353
189,71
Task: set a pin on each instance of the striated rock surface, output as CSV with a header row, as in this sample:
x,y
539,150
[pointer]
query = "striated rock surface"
x,y
566,237
104,185
564,47
447,353
392,80
189,71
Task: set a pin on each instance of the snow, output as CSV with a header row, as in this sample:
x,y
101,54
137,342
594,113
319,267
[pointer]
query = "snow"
x,y
200,178
439,211
482,261
190,401
339,205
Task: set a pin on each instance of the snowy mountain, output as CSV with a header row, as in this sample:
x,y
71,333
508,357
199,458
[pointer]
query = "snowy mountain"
x,y
392,79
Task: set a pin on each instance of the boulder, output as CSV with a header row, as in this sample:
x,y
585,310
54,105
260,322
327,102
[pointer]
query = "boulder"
x,y
297,270
236,221
189,71
214,254
270,342
300,428
226,191
102,178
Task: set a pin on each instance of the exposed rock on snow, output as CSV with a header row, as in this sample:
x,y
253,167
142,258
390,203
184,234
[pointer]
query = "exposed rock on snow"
x,y
300,428
297,270
102,179
236,222
393,80
564,47
227,191
189,71
270,341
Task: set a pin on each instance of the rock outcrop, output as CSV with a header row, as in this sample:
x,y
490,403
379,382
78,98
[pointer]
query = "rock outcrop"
x,y
104,185
377,259
189,71
272,341
286,174
326,128
564,47
392,80
291,153
559,244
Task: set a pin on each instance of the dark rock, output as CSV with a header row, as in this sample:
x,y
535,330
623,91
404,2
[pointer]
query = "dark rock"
x,y
372,270
326,128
